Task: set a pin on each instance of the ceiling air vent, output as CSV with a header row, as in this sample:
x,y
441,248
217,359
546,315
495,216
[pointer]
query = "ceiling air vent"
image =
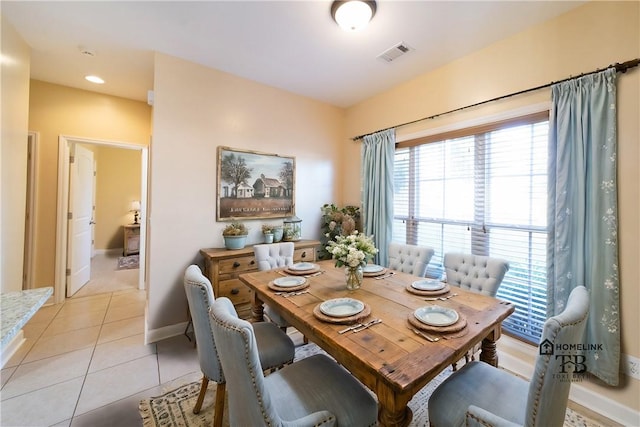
x,y
395,52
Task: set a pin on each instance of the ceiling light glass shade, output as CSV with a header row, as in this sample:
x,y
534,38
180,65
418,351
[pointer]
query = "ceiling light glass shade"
x,y
94,79
353,15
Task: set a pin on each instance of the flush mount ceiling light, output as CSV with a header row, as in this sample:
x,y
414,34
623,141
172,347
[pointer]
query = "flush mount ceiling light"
x,y
353,15
94,79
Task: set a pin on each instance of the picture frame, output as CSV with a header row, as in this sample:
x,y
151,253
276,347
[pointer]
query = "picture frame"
x,y
254,185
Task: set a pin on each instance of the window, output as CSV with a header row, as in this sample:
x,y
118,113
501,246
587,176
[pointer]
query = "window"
x,y
482,191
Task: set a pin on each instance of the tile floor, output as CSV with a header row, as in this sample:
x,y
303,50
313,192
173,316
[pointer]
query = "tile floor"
x,y
84,362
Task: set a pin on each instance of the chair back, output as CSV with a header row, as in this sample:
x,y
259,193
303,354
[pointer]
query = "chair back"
x,y
273,255
200,297
248,400
480,274
548,395
410,259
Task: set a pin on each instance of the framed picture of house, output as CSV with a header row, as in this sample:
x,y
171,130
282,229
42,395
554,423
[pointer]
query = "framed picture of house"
x,y
254,185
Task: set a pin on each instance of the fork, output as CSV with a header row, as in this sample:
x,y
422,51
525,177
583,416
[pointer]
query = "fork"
x,y
385,276
293,294
367,325
425,336
440,298
314,274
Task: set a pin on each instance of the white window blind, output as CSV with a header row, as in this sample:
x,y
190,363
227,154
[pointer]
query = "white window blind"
x,y
483,191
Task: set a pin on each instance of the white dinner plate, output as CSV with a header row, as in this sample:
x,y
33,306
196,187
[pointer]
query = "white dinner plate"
x,y
427,285
289,281
434,315
372,268
303,266
341,307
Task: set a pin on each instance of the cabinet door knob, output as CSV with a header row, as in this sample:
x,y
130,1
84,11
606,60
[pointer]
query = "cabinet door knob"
x,y
236,264
304,254
235,291
253,261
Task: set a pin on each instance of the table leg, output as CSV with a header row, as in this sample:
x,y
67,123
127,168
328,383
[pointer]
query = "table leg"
x,y
257,308
489,353
393,409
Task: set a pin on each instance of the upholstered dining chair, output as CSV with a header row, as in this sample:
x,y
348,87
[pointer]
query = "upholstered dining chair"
x,y
269,256
410,259
313,391
480,274
274,347
480,394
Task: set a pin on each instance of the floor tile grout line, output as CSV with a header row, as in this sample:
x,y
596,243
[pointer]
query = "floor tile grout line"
x,y
93,352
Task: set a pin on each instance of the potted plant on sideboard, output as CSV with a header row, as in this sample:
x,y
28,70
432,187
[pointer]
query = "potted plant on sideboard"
x,y
235,235
267,232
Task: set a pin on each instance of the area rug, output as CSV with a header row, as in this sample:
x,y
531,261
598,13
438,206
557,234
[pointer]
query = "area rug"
x,y
175,407
128,262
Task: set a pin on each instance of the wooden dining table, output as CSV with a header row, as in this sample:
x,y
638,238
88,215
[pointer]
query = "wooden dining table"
x,y
389,358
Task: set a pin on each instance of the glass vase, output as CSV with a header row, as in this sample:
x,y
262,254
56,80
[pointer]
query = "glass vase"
x,y
353,276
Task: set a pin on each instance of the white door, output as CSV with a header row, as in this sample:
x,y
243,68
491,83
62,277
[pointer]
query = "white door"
x,y
81,209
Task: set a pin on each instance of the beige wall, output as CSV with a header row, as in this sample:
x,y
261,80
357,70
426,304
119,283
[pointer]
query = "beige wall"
x,y
117,184
192,116
590,37
13,154
58,110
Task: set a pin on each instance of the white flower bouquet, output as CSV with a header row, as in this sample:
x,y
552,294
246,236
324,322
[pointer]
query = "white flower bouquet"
x,y
353,250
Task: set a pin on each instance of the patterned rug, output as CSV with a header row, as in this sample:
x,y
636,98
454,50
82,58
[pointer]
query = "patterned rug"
x,y
128,262
175,407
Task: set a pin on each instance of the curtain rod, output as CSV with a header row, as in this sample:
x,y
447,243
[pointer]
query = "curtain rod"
x,y
621,68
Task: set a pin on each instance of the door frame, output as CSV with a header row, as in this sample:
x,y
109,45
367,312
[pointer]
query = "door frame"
x,y
30,225
62,207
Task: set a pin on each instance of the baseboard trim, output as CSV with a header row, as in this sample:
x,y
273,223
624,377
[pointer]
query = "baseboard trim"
x,y
579,394
155,335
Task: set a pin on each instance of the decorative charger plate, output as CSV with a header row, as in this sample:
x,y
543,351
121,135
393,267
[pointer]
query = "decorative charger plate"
x,y
289,281
349,320
341,307
456,327
272,285
422,293
427,285
434,315
302,266
371,270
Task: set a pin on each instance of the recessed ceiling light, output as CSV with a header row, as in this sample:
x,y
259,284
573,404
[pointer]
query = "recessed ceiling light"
x,y
94,79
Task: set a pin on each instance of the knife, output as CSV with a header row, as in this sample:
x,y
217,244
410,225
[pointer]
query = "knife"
x,y
425,336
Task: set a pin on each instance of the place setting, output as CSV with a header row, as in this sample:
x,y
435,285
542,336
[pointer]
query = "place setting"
x,y
428,288
342,311
374,270
307,269
289,285
443,321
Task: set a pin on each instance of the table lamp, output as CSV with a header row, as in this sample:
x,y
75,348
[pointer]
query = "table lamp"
x,y
135,207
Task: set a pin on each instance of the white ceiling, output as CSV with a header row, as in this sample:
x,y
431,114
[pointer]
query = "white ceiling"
x,y
291,45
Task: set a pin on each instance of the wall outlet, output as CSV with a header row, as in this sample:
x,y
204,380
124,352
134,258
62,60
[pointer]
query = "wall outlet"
x,y
632,366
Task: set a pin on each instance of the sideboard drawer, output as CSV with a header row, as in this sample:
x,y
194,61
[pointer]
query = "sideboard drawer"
x,y
238,265
304,254
235,290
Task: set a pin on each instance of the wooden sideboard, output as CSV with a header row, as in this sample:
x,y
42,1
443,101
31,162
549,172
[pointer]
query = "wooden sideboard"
x,y
223,266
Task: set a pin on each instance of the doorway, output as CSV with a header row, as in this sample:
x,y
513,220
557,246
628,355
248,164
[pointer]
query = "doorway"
x,y
63,243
